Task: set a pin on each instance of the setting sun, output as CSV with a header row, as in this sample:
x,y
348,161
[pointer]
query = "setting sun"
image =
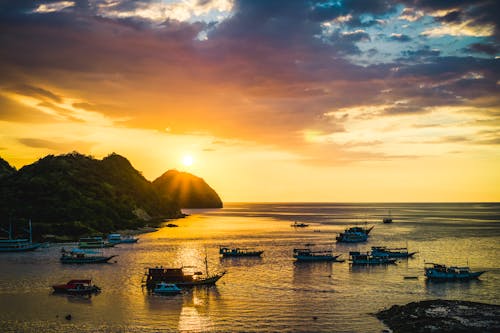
x,y
187,160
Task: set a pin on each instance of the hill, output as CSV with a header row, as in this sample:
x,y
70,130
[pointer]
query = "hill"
x,y
187,190
74,194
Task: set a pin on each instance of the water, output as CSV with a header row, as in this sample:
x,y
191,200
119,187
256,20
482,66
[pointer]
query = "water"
x,y
272,293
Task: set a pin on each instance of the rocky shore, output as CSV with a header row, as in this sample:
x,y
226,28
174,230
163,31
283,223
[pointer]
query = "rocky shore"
x,y
442,316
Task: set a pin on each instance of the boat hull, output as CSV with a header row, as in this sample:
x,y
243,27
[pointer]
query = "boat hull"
x,y
441,276
318,258
198,282
30,247
89,260
388,261
247,254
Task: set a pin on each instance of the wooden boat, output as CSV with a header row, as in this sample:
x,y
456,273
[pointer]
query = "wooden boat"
x,y
179,276
164,288
119,239
443,273
351,237
358,258
299,225
366,230
80,287
401,252
306,254
19,244
239,252
79,256
93,243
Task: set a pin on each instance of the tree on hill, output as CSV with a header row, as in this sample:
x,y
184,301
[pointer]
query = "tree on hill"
x,y
187,190
5,168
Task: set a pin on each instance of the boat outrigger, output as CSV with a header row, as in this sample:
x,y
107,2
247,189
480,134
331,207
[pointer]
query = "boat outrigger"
x,y
79,256
19,244
443,273
77,287
239,252
358,258
397,252
306,254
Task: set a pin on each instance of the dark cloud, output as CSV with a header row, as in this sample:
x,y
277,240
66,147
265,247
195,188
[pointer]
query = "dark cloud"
x,y
56,145
29,90
400,38
490,49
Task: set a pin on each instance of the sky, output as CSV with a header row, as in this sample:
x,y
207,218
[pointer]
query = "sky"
x,y
268,101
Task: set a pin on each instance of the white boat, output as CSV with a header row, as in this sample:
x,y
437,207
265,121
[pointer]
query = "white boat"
x,y
119,239
164,288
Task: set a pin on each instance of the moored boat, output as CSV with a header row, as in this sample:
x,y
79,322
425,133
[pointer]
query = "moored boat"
x,y
79,256
119,239
306,254
19,244
366,230
299,225
93,243
239,252
164,288
351,237
358,258
388,218
443,273
81,287
399,252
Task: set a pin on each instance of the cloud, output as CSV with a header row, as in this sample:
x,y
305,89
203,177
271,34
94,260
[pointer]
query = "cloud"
x,y
57,145
490,49
400,37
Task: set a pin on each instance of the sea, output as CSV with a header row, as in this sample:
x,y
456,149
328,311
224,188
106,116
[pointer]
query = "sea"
x,y
268,294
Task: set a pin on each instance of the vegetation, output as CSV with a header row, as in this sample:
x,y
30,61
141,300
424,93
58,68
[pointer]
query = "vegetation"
x,y
74,194
187,190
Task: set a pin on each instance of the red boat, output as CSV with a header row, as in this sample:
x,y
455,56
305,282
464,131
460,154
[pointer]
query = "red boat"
x,y
77,287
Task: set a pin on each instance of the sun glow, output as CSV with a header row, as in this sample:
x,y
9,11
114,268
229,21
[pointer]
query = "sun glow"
x,y
187,160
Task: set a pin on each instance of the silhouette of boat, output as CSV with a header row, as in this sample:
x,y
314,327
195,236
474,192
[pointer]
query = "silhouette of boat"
x,y
306,254
239,252
79,287
79,256
358,258
443,273
93,243
401,252
299,225
388,218
351,237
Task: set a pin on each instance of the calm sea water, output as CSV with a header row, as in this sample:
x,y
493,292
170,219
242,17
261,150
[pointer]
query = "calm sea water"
x,y
270,294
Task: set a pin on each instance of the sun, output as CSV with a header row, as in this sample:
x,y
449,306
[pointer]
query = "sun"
x,y
187,160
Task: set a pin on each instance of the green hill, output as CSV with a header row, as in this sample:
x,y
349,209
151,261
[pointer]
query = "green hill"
x,y
74,194
188,190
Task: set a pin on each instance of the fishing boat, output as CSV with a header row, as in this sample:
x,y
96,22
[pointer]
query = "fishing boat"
x,y
79,287
443,273
18,244
358,258
366,230
239,252
93,243
79,256
299,225
397,252
306,254
388,218
119,239
351,237
164,288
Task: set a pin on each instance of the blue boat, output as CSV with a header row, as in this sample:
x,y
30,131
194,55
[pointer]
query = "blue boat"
x,y
440,272
399,252
239,252
79,256
118,239
352,237
19,244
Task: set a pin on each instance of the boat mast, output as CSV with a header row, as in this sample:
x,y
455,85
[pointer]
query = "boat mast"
x,y
206,262
31,234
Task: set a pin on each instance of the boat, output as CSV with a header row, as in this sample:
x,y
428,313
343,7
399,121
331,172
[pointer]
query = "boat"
x,y
398,252
388,218
443,273
306,254
118,239
19,244
299,225
78,287
351,237
239,252
164,288
358,258
93,243
366,230
79,256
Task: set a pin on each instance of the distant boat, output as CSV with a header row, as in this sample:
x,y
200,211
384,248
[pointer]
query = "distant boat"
x,y
93,243
164,288
366,230
299,225
239,252
358,258
351,237
118,239
388,218
79,256
19,244
401,252
79,287
307,254
442,273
